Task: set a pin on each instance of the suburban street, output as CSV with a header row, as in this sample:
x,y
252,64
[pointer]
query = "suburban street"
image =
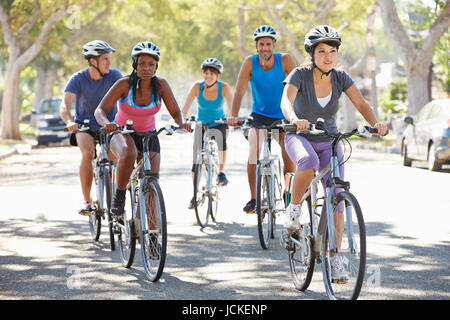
x,y
46,251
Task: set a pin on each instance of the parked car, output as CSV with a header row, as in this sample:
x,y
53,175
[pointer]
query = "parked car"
x,y
47,122
427,136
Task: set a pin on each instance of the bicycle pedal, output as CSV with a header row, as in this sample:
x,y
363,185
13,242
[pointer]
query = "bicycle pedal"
x,y
339,281
85,213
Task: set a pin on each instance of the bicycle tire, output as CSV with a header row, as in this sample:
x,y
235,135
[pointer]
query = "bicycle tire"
x,y
108,196
154,255
95,222
262,208
214,193
352,255
202,196
303,272
127,236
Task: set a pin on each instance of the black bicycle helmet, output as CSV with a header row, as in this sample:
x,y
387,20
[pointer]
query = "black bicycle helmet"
x,y
322,33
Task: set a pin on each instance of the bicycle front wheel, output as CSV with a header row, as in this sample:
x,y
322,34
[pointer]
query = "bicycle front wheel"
x,y
202,196
263,208
214,193
95,218
127,235
153,231
107,208
343,272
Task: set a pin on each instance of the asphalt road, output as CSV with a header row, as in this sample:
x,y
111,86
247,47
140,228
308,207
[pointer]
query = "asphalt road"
x,y
46,251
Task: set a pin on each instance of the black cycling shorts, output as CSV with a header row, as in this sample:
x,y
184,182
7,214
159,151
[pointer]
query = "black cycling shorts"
x,y
219,133
73,138
153,143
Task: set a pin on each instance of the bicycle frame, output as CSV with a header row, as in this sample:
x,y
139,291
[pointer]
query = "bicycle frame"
x,y
208,153
267,164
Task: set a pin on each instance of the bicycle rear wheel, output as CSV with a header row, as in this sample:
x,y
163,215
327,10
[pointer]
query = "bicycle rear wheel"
x,y
127,236
202,196
350,239
263,208
301,257
153,231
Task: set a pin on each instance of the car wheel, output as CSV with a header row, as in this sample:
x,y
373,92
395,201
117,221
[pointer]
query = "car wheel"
x,y
433,164
406,161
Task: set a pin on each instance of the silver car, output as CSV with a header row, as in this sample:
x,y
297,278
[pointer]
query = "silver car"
x,y
427,136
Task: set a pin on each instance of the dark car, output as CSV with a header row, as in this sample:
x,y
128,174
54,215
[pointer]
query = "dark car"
x,y
47,122
427,136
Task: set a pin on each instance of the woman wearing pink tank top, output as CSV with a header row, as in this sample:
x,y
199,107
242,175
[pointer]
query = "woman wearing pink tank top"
x,y
139,96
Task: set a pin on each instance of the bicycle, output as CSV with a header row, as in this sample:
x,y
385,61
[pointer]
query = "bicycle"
x,y
269,190
147,222
316,239
206,168
102,172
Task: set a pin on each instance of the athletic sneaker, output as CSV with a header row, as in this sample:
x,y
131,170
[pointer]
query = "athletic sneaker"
x,y
118,207
222,179
250,206
191,204
338,273
86,210
291,218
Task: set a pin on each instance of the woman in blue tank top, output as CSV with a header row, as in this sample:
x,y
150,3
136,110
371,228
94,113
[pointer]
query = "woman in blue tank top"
x,y
211,95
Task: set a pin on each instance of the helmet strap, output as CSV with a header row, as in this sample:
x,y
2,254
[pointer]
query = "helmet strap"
x,y
95,67
323,72
207,87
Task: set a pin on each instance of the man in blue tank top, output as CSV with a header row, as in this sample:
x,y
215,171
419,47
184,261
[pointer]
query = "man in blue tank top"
x,y
87,88
266,72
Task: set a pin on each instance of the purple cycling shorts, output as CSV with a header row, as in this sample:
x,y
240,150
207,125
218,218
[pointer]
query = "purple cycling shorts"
x,y
313,155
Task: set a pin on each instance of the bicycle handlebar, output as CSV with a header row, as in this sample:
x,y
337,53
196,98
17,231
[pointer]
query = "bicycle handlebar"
x,y
128,128
319,128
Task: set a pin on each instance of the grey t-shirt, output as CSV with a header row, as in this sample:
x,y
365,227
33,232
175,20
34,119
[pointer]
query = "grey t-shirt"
x,y
306,105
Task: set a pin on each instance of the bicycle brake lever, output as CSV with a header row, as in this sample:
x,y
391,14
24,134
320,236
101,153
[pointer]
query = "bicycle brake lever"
x,y
363,132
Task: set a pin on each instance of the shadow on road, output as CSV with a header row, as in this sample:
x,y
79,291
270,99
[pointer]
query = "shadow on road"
x,y
58,260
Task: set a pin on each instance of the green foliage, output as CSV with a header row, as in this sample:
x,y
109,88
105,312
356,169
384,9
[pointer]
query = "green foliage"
x,y
394,99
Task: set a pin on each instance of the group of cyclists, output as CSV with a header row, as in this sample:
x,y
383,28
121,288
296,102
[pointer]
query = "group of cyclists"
x,y
280,90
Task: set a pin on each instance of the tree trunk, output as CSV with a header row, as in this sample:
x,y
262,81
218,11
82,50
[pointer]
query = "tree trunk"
x,y
10,113
418,93
39,87
417,62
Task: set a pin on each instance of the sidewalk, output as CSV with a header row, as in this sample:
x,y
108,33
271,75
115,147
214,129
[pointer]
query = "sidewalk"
x,y
9,148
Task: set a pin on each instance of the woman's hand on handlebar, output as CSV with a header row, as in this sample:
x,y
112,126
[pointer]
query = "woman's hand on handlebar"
x,y
301,124
382,128
110,127
186,126
233,121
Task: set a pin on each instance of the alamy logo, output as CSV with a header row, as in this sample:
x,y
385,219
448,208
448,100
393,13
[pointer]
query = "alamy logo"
x,y
73,22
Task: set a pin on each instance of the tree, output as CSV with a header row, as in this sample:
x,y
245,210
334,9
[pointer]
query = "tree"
x,y
417,60
17,24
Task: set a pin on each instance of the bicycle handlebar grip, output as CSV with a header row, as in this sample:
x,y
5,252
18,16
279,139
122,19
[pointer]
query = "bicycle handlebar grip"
x,y
289,127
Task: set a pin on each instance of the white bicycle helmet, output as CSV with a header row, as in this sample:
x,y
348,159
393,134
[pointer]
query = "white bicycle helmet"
x,y
213,63
265,31
322,33
146,48
96,48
